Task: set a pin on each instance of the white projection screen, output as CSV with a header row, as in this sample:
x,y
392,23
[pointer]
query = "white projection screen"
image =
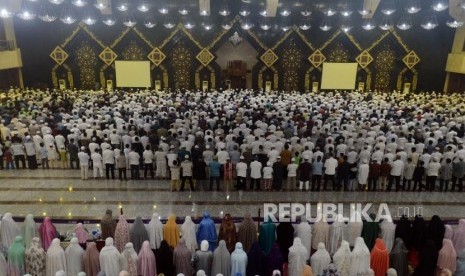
x,y
132,74
339,75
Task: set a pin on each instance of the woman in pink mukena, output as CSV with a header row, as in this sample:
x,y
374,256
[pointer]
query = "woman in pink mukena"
x,y
47,232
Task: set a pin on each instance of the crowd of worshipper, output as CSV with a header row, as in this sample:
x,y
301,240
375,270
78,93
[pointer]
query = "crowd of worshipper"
x,y
355,248
246,139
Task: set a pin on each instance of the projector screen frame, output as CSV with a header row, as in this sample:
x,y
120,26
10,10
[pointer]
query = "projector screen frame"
x,y
133,74
336,70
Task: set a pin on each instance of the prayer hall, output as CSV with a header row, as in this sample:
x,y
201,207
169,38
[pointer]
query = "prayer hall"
x,y
232,137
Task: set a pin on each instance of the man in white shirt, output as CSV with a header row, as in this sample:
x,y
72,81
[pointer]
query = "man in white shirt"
x,y
186,167
255,174
330,171
97,163
134,161
432,173
292,174
108,156
147,155
84,163
397,168
160,162
241,170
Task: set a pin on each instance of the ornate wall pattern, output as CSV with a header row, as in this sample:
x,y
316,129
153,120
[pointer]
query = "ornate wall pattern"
x,y
182,63
293,70
384,64
134,52
292,57
86,59
338,54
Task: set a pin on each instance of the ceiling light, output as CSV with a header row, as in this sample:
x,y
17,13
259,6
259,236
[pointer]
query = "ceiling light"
x,y
168,24
46,14
204,13
246,25
4,13
183,11
440,5
346,26
388,7
386,24
305,24
265,25
79,3
122,7
306,12
109,20
207,25
244,11
163,10
26,13
329,11
143,7
89,20
226,24
68,16
429,22
100,5
150,23
346,10
454,23
325,25
285,12
405,22
364,12
368,25
129,21
68,20
263,13
56,2
413,6
189,25
224,9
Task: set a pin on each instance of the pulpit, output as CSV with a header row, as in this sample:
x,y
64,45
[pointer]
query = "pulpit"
x,y
236,73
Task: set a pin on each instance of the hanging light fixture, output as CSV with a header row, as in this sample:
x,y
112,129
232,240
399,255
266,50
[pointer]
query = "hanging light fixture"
x,y
246,25
346,9
429,22
413,6
189,25
265,24
183,11
207,24
325,25
368,24
100,5
224,9
204,13
129,21
305,11
305,24
364,10
440,5
285,12
386,23
388,7
244,11
143,7
285,25
26,13
5,13
454,23
346,25
168,23
226,24
263,13
46,14
89,20
122,6
150,22
329,11
56,2
405,22
79,3
67,16
109,20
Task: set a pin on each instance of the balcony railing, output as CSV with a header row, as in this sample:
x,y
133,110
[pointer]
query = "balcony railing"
x,y
7,45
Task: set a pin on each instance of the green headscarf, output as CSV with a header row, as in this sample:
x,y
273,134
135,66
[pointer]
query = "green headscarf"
x,y
16,252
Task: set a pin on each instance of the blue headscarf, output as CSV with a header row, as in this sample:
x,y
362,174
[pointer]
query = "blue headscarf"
x,y
207,231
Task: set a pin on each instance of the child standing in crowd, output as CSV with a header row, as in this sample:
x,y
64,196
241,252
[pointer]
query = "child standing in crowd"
x,y
175,176
43,154
63,157
8,156
52,156
121,163
267,177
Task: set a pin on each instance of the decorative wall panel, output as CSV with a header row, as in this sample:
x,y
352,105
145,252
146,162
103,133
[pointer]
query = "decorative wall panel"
x,y
291,63
86,60
181,62
384,64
